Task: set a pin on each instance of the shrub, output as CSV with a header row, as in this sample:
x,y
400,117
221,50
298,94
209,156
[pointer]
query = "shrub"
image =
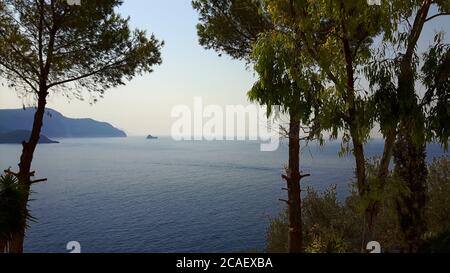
x,y
334,226
277,234
438,208
12,215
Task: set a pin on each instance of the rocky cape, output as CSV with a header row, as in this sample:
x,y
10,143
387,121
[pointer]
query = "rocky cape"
x,y
15,122
19,136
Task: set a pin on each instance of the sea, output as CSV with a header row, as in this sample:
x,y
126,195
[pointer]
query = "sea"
x,y
133,195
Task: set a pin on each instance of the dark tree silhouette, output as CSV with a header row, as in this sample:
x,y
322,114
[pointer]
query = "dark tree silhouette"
x,y
48,46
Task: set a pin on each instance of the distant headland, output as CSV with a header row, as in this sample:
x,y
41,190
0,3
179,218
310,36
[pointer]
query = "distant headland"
x,y
19,136
17,122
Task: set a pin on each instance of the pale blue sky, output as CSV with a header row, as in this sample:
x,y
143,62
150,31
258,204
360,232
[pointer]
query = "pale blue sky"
x,y
144,105
187,71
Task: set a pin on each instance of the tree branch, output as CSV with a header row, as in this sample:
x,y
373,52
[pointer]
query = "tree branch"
x,y
8,171
27,81
86,75
38,181
437,15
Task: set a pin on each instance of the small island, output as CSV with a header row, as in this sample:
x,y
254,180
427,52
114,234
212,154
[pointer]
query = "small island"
x,y
151,137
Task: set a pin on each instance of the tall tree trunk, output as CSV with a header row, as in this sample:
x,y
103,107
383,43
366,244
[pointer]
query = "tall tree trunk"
x,y
293,178
361,178
406,93
25,174
352,120
410,167
373,207
410,147
3,245
410,160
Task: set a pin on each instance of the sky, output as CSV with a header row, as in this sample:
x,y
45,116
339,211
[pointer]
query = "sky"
x,y
143,106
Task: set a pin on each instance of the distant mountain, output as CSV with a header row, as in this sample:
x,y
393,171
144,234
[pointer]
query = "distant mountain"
x,y
56,125
17,137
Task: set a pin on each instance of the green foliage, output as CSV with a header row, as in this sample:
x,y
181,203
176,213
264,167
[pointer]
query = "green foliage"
x,y
51,46
324,24
395,72
329,225
397,15
438,207
438,244
71,48
230,26
12,215
285,78
336,36
308,56
277,234
436,77
334,226
411,172
381,74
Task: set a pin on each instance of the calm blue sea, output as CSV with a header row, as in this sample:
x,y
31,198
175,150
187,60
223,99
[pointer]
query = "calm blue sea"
x,y
136,195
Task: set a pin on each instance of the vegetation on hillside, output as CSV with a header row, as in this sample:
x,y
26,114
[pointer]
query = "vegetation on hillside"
x,y
332,226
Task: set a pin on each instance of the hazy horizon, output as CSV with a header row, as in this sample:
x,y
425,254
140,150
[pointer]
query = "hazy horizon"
x,y
143,106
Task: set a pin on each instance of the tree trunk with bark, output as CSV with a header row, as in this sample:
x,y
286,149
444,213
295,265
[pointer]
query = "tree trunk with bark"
x,y
3,245
410,147
25,174
373,207
293,179
406,93
410,167
354,126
